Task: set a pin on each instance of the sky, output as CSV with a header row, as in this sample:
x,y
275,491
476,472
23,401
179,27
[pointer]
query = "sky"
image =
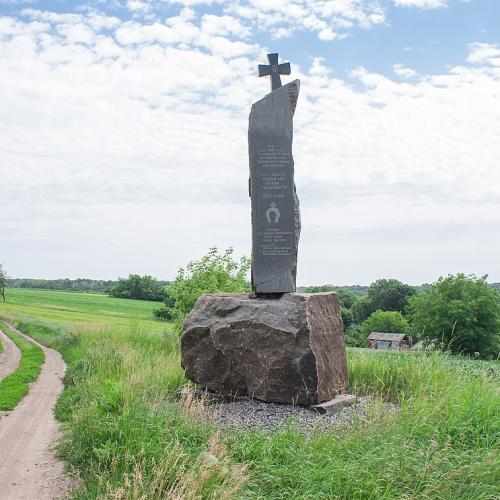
x,y
123,134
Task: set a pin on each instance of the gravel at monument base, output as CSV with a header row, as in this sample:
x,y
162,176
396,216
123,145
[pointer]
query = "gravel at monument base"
x,y
253,414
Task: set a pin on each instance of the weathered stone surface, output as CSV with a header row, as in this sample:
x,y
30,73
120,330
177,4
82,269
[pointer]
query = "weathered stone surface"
x,y
285,350
275,205
336,404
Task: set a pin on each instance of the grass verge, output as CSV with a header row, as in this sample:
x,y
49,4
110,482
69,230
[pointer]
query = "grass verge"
x,y
129,437
15,386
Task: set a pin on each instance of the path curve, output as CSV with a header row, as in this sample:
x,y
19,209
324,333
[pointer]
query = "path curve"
x,y
29,469
9,357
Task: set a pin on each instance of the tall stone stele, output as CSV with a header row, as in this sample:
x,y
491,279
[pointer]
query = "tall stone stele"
x,y
275,205
274,345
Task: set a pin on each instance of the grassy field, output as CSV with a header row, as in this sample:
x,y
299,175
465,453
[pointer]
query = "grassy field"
x,y
15,386
128,436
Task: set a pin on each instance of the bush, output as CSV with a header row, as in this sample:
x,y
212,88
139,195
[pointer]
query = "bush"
x,y
460,313
385,322
354,337
164,313
137,287
215,272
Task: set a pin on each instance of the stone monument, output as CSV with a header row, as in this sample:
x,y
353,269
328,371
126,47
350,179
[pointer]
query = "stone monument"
x,y
274,345
275,205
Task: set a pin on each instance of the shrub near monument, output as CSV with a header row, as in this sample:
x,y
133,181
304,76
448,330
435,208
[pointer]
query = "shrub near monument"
x,y
214,272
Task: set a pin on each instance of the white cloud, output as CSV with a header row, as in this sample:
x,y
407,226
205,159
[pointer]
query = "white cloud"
x,y
423,4
484,53
404,72
282,33
138,5
328,18
327,34
133,33
125,135
223,25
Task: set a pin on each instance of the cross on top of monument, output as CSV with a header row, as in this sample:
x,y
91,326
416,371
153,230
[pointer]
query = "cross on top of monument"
x,y
274,70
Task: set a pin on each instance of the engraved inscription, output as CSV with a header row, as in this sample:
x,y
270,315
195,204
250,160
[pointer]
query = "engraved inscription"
x,y
273,162
275,242
275,181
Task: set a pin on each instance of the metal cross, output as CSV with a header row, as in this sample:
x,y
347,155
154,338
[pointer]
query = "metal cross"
x,y
275,70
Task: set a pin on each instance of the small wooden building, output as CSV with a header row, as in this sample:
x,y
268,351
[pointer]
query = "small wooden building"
x,y
394,341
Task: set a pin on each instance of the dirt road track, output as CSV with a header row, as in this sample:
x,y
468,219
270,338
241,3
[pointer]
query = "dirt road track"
x,y
9,358
29,469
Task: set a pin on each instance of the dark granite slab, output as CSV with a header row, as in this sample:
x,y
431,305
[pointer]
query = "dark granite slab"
x,y
275,205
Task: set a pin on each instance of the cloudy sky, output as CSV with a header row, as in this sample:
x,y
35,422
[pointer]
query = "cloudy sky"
x,y
123,134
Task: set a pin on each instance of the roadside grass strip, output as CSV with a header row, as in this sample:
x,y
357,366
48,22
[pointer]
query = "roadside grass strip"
x,y
15,386
128,435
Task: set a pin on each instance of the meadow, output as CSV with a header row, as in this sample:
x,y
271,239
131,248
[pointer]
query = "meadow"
x,y
128,435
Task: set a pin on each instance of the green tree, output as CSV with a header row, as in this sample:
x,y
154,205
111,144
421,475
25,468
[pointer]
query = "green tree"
x,y
137,287
385,322
462,313
3,282
215,272
386,295
354,337
390,295
347,317
361,309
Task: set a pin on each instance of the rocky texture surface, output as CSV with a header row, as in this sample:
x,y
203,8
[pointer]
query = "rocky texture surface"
x,y
285,350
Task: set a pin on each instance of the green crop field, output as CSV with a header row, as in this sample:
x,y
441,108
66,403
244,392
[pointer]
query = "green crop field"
x,y
128,436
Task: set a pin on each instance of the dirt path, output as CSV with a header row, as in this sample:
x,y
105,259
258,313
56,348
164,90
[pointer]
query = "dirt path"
x,y
29,469
9,358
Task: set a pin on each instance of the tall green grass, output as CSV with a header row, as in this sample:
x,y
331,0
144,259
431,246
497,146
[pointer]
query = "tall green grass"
x,y
15,386
128,435
442,443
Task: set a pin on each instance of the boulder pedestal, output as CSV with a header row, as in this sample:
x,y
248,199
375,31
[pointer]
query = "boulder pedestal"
x,y
283,350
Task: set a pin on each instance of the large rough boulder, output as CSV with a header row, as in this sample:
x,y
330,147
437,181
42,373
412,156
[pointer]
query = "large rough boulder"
x,y
284,350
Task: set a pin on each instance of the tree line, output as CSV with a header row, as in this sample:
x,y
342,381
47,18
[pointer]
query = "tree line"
x,y
459,313
65,284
